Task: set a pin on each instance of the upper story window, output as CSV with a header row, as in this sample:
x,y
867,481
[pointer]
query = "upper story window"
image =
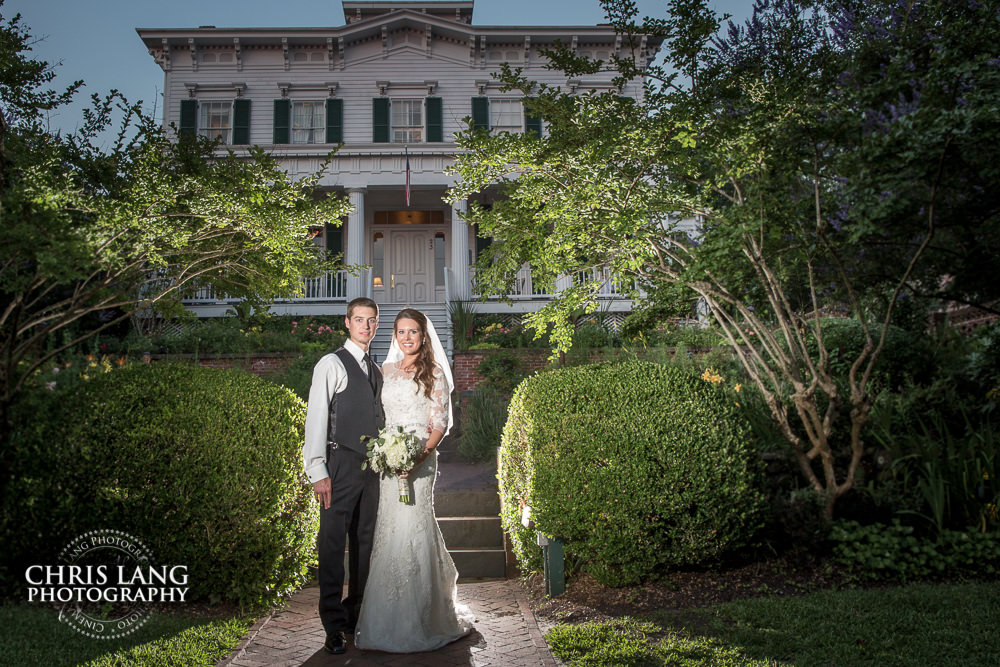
x,y
308,122
215,120
500,114
225,120
407,120
505,115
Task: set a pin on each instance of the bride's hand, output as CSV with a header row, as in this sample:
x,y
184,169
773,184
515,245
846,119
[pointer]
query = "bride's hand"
x,y
404,474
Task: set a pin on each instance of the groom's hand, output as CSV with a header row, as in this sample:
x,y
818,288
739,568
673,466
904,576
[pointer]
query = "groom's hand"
x,y
323,491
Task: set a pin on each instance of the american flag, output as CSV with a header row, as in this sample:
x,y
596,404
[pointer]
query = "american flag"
x,y
406,191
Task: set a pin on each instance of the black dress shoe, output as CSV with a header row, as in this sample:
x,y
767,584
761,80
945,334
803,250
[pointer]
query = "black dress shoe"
x,y
335,643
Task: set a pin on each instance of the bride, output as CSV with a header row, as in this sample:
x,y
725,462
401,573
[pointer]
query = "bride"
x,y
409,602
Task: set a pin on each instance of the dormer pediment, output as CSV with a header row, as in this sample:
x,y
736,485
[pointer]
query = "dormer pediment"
x,y
404,19
457,11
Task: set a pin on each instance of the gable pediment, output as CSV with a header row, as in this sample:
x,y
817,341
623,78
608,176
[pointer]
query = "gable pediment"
x,y
403,19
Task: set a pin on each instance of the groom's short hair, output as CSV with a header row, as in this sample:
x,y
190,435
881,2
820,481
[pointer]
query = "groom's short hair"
x,y
361,302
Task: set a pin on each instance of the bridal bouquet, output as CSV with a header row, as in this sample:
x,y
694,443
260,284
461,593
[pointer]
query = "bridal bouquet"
x,y
394,449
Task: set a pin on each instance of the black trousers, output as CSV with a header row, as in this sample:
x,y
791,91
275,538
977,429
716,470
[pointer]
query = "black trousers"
x,y
350,518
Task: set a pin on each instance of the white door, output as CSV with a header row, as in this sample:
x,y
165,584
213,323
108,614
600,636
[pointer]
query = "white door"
x,y
411,267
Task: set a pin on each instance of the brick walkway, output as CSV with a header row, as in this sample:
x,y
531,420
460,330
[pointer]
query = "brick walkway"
x,y
506,634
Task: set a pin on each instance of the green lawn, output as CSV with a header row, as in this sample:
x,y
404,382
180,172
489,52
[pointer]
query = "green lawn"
x,y
919,625
32,635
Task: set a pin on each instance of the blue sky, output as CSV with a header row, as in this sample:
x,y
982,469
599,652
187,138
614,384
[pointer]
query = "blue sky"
x,y
95,40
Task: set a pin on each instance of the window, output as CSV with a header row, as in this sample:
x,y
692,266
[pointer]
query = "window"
x,y
505,115
216,121
407,121
308,122
378,260
439,259
499,114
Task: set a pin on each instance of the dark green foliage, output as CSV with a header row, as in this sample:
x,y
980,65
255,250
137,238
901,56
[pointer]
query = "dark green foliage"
x,y
982,365
904,356
202,466
240,334
463,316
494,330
950,471
485,413
590,335
835,155
636,466
897,552
483,418
501,371
936,450
298,375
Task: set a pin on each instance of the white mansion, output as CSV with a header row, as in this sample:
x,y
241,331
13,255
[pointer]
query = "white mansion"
x,y
395,74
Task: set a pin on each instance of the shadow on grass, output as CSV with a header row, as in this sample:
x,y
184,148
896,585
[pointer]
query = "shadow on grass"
x,y
918,624
34,635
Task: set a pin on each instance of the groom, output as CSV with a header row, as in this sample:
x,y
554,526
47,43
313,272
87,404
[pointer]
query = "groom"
x,y
345,408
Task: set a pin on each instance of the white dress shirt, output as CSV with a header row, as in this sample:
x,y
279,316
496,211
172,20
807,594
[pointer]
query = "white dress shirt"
x,y
329,378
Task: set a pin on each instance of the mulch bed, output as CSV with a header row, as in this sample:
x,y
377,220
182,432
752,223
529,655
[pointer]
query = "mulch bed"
x,y
586,600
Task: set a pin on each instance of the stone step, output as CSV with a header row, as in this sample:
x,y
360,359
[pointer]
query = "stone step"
x,y
467,503
479,563
471,532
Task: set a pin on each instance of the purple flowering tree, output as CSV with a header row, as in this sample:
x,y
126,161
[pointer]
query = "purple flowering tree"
x,y
817,157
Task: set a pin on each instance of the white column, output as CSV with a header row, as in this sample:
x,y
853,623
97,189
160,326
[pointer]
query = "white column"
x,y
354,250
461,285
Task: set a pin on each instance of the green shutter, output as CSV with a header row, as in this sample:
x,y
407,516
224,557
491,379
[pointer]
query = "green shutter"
x,y
435,126
334,120
482,243
334,239
532,123
241,121
380,120
480,113
282,121
189,118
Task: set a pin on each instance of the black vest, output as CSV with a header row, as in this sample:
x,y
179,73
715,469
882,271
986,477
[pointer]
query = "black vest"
x,y
355,413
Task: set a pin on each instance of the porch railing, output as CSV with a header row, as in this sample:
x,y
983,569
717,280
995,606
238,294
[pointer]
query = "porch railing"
x,y
524,288
330,286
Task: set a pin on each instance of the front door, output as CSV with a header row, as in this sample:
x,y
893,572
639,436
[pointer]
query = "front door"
x,y
411,266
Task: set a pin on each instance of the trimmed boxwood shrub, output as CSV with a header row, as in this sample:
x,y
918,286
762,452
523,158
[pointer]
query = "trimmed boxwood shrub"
x,y
635,466
203,466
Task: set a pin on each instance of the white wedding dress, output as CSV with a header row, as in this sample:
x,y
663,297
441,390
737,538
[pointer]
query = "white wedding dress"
x,y
409,603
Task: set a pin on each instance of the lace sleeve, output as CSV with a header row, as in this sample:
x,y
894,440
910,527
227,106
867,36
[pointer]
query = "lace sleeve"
x,y
440,402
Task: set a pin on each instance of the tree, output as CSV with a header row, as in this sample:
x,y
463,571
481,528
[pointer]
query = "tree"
x,y
92,236
825,152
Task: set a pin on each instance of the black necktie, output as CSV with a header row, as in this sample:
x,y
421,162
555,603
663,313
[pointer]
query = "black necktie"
x,y
370,365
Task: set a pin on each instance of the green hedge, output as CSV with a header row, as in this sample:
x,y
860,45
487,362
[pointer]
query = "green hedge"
x,y
635,466
897,553
203,466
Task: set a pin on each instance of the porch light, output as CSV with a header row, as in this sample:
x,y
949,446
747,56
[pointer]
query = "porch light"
x,y
378,281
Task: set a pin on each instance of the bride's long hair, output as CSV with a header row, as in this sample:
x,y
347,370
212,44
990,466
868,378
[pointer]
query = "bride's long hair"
x,y
424,375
